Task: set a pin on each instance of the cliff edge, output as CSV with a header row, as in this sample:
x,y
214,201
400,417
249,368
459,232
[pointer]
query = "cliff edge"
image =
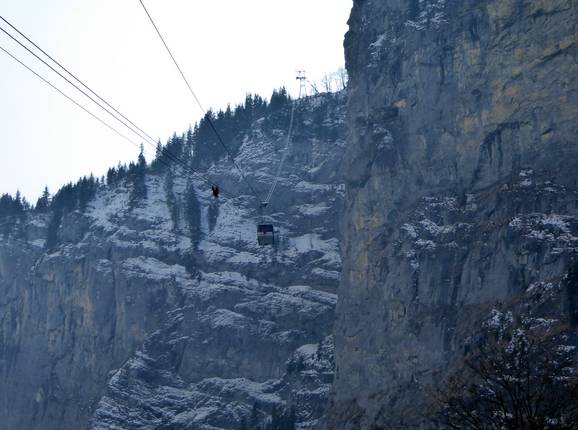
x,y
462,186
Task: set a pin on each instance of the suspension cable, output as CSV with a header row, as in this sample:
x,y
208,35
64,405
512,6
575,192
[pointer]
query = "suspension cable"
x,y
100,120
71,99
207,117
285,152
62,93
75,78
142,134
144,137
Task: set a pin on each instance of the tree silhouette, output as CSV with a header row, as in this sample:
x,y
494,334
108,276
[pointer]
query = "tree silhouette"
x,y
520,377
137,173
43,201
193,215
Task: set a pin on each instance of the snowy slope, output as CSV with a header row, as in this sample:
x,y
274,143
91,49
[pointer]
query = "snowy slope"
x,y
148,324
247,312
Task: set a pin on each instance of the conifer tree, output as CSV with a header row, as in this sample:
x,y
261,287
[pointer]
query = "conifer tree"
x,y
25,204
171,198
142,163
159,150
121,172
193,214
188,146
279,99
18,207
158,162
86,190
6,205
137,173
111,176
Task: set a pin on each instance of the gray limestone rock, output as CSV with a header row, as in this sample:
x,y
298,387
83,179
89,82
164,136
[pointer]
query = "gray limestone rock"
x,y
462,182
137,319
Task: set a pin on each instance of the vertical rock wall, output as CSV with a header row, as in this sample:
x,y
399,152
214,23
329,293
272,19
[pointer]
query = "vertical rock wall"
x,y
462,177
145,317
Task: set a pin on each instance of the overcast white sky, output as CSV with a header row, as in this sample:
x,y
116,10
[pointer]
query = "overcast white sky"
x,y
225,47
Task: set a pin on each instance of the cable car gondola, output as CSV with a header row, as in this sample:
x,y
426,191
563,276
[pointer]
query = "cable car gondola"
x,y
265,234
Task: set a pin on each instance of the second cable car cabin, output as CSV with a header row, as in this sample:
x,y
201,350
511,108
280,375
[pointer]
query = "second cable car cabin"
x,y
265,234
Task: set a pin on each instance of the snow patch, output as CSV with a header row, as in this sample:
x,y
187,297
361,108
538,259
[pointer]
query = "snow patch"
x,y
153,269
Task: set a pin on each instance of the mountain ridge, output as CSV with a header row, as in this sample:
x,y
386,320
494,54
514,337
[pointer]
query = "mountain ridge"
x,y
126,302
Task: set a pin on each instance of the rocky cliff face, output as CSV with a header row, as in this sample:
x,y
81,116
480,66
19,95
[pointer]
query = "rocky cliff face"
x,y
462,186
461,202
133,322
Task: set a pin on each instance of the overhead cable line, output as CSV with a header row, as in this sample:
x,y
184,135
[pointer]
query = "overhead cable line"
x,y
302,86
75,78
313,86
285,152
132,142
139,132
207,117
140,135
71,99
